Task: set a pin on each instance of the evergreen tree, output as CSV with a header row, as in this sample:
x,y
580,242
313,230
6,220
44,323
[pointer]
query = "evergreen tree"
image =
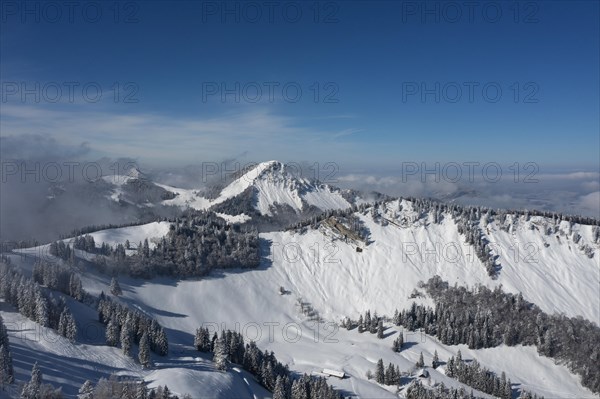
x,y
126,337
161,342
115,288
62,323
436,360
75,288
144,352
32,389
379,372
390,375
279,391
141,392
420,362
361,324
6,364
86,391
220,357
398,342
112,332
299,389
71,332
202,340
41,309
6,367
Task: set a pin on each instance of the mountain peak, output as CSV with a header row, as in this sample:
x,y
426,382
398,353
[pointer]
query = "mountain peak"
x,y
135,173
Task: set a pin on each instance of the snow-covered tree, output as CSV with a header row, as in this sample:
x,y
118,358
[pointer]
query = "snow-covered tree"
x,y
220,356
380,372
32,389
6,364
75,288
115,288
71,332
126,337
380,329
420,362
398,342
436,360
299,389
86,391
279,391
141,392
144,352
161,343
41,309
112,332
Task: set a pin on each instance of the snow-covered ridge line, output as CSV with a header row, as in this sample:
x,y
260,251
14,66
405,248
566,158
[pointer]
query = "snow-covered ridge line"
x,y
273,185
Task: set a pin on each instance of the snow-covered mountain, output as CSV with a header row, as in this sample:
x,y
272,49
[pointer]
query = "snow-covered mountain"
x,y
268,188
266,194
355,257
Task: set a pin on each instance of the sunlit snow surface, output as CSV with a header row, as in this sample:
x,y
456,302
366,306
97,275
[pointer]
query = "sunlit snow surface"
x,y
337,281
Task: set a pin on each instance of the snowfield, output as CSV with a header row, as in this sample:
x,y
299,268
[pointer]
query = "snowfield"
x,y
134,234
237,219
63,363
327,273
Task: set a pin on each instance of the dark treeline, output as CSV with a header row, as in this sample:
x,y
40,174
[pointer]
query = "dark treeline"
x,y
269,372
62,251
366,322
7,374
417,391
33,302
484,318
125,327
197,243
59,278
88,244
469,226
115,388
385,376
97,227
472,374
425,205
111,388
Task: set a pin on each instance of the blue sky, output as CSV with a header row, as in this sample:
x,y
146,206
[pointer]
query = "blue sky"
x,y
371,58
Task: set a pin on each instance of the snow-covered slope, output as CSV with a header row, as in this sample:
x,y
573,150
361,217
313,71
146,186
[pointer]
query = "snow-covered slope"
x,y
327,273
134,234
120,235
63,363
550,270
249,301
69,365
272,185
237,219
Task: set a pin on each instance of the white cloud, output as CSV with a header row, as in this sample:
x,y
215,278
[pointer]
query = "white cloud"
x,y
570,176
591,185
164,139
591,202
